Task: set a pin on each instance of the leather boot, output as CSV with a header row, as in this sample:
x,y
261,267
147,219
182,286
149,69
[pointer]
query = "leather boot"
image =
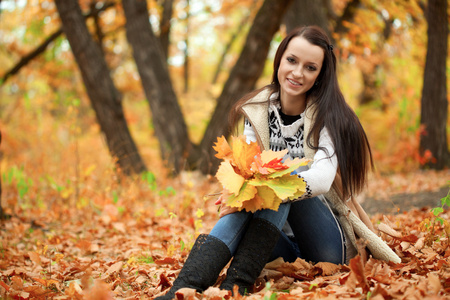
x,y
251,255
208,257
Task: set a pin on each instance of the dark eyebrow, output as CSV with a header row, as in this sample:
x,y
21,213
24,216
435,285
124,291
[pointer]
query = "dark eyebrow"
x,y
310,62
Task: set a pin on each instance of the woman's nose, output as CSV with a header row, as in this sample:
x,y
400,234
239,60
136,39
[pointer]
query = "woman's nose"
x,y
297,72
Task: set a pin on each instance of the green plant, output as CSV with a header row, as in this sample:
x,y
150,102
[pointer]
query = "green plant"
x,y
150,179
437,222
145,259
17,175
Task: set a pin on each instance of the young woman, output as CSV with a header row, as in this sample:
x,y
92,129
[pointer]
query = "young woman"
x,y
304,111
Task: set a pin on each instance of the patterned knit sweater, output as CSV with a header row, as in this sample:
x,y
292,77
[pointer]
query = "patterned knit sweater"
x,y
319,177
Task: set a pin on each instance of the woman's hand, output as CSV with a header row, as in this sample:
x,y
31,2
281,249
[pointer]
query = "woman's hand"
x,y
224,209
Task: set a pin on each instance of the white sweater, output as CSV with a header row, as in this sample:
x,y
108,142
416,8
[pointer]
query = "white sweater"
x,y
320,176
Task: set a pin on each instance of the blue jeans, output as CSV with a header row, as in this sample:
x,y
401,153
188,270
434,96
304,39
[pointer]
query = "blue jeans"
x,y
317,233
231,228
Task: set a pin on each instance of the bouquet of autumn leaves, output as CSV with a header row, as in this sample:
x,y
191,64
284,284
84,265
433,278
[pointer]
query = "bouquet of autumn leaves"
x,y
253,179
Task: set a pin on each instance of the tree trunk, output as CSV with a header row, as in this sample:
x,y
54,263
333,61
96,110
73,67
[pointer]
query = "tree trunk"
x,y
230,43
434,102
242,79
347,16
105,98
164,27
2,214
186,49
305,12
168,122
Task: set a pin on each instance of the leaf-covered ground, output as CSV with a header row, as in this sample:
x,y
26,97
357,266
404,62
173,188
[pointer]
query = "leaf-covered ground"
x,y
118,238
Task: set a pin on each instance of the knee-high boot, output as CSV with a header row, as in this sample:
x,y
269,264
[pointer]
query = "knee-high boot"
x,y
251,255
208,257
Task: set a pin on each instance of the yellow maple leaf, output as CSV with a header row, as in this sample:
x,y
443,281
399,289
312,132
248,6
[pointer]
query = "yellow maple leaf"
x,y
265,197
229,178
284,187
246,193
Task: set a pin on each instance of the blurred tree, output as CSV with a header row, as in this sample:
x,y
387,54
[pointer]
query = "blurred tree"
x,y
304,12
230,43
322,13
242,79
104,97
186,48
47,41
164,27
169,125
434,103
98,28
2,214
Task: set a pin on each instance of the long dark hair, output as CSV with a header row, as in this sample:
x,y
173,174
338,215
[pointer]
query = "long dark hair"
x,y
330,110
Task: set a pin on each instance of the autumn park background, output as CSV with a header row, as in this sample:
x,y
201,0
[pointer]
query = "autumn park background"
x,y
108,114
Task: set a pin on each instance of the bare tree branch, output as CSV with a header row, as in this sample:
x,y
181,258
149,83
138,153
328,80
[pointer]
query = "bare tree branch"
x,y
347,16
43,46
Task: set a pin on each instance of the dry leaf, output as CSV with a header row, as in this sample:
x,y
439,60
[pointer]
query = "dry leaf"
x,y
115,268
389,230
186,293
275,264
119,227
434,283
35,257
327,268
99,291
214,293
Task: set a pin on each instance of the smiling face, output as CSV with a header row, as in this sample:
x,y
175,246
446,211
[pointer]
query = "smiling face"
x,y
299,68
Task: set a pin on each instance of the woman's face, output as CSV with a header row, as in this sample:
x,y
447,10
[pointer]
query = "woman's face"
x,y
299,68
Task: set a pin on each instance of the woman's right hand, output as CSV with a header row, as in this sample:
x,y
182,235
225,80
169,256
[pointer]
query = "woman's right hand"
x,y
224,209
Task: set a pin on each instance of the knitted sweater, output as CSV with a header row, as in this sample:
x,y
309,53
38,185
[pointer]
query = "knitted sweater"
x,y
320,176
263,125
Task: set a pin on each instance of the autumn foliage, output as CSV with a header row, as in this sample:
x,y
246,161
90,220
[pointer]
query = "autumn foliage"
x,y
79,229
254,180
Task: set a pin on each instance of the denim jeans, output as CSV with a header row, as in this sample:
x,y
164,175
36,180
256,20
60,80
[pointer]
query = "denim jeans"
x,y
231,228
317,233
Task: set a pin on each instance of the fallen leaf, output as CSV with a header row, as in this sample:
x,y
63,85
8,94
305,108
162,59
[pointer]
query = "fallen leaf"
x,y
115,268
327,268
185,293
389,230
214,293
35,258
99,291
434,283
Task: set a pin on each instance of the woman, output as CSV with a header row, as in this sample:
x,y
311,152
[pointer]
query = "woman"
x,y
304,111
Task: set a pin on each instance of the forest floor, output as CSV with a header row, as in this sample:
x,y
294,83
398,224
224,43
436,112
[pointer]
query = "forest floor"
x,y
403,202
130,242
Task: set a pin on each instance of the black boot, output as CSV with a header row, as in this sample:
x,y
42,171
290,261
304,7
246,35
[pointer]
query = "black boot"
x,y
208,257
251,255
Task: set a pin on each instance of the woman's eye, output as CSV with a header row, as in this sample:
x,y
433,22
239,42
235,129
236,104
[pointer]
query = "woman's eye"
x,y
312,68
291,60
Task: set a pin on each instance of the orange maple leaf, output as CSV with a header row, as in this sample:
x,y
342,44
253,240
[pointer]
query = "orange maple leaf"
x,y
244,155
222,148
